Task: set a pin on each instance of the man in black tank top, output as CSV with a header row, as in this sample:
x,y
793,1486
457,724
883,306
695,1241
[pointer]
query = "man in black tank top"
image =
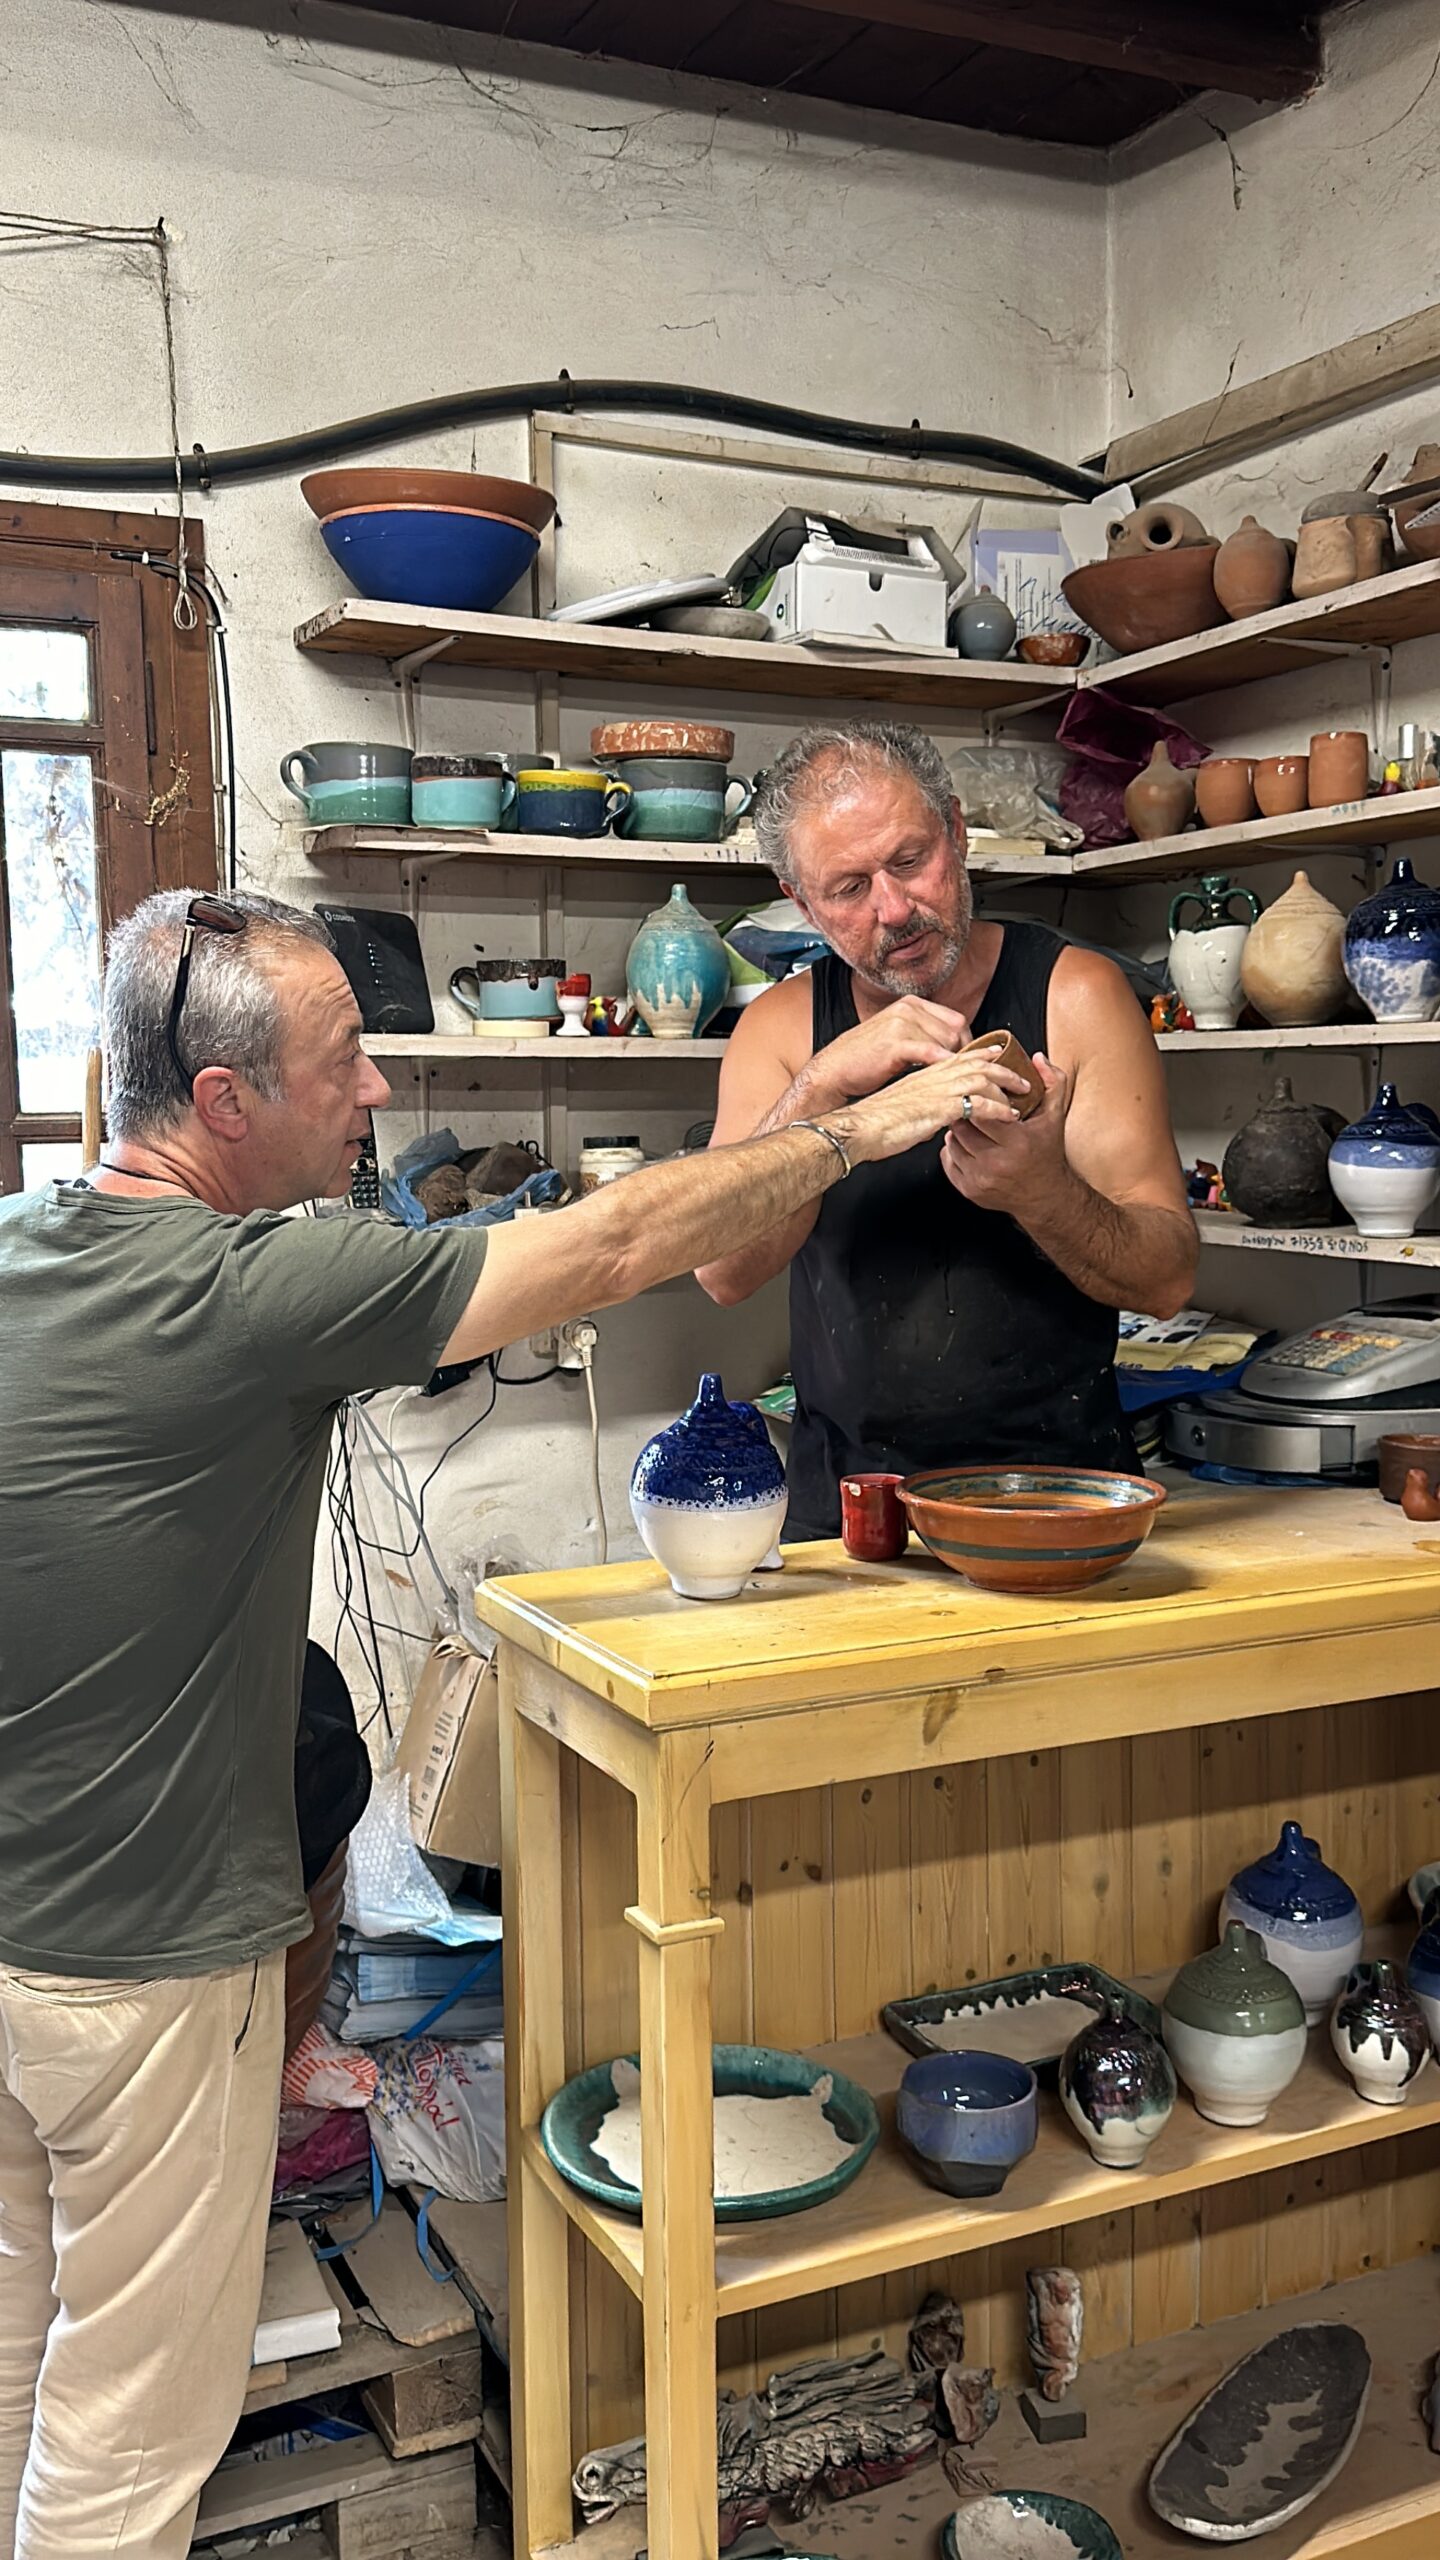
x,y
958,1303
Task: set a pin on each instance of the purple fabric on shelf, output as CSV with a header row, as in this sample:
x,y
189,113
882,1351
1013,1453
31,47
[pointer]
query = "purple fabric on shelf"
x,y
1108,741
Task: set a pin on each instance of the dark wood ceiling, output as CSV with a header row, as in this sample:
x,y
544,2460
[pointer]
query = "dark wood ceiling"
x,y
1079,71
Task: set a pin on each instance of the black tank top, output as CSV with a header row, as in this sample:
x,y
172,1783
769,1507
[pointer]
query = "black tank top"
x,y
925,1331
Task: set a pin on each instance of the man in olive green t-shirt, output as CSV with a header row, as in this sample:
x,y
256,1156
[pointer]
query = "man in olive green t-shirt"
x,y
173,1350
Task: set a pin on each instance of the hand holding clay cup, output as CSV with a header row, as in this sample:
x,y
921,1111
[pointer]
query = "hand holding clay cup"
x,y
1014,1163
974,1089
912,1032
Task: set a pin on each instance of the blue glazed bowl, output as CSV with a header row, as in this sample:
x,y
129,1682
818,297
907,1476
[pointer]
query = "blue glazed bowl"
x,y
968,2117
453,559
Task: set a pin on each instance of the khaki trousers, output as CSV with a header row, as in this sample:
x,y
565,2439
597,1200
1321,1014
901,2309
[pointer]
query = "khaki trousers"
x,y
137,2145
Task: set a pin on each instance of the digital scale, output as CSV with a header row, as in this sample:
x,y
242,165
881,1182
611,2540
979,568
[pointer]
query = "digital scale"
x,y
1317,1403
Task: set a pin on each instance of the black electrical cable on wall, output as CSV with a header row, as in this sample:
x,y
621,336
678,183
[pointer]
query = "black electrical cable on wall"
x,y
288,454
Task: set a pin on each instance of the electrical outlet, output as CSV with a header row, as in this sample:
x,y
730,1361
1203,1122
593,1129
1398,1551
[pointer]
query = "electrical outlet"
x,y
544,1347
576,1344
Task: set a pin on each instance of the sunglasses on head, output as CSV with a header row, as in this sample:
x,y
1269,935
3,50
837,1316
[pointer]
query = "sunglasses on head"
x,y
203,915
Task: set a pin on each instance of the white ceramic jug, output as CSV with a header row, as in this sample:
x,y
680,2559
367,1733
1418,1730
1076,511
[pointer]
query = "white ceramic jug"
x,y
1205,957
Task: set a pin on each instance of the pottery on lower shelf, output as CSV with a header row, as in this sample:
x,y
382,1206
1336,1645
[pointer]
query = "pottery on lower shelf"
x,y
677,973
708,1495
1206,955
1339,768
1380,2033
1028,2524
968,2117
1305,1916
1235,2029
1161,799
1392,948
1385,1168
1282,785
1117,2086
1252,570
1270,2436
1293,966
1276,1169
1225,791
1422,1972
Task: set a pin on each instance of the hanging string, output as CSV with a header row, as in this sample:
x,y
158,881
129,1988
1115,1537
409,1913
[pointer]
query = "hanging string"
x,y
19,227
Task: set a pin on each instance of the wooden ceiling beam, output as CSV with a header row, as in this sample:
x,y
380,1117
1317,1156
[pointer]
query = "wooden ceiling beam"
x,y
1182,43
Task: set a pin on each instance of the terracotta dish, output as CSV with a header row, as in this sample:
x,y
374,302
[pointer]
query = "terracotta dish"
x,y
1008,1052
1144,602
1054,648
663,738
1398,1452
336,493
1031,1529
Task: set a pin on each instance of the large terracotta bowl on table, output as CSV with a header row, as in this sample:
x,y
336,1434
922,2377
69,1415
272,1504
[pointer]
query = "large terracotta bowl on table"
x,y
1031,1528
1145,601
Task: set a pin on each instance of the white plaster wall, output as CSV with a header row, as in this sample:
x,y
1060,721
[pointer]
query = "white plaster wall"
x,y
362,213
1323,228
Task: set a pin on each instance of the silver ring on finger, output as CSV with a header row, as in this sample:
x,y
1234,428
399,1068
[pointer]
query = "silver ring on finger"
x,y
967,1106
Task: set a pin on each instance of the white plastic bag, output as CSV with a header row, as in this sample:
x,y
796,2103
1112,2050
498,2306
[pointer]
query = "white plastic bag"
x,y
438,2117
389,1890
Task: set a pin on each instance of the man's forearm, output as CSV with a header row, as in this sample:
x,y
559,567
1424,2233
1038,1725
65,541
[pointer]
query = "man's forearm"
x,y
734,1276
1136,1256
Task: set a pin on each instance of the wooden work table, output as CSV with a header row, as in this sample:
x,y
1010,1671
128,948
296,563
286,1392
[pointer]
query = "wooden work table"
x,y
759,1819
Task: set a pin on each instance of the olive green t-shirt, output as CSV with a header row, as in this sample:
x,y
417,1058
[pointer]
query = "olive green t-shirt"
x,y
168,1381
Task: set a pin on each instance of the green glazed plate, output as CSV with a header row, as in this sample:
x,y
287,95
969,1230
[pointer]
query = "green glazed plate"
x,y
1028,2524
575,2114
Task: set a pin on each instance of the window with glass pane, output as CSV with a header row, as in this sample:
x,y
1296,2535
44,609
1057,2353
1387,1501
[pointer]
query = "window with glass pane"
x,y
39,1165
44,675
47,830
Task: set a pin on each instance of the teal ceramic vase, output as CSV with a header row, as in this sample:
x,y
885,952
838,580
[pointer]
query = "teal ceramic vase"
x,y
1235,2028
677,974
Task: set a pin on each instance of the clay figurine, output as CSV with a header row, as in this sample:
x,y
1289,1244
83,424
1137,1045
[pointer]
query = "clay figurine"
x,y
1419,1500
1054,2326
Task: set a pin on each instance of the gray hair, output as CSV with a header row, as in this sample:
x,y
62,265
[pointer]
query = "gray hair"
x,y
232,1014
834,758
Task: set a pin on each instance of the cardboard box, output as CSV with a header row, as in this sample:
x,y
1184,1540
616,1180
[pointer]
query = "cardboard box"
x,y
450,1752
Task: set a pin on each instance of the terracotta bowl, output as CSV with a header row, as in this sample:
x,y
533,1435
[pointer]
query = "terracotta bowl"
x,y
1144,602
1398,1452
1054,648
1031,1528
335,493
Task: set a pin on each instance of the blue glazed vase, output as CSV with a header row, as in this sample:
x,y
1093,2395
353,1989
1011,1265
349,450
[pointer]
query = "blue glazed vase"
x,y
1118,2087
1392,948
708,1495
1385,1168
1306,1915
677,975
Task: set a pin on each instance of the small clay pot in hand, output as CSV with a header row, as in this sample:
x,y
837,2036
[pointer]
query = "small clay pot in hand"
x,y
1281,785
1225,791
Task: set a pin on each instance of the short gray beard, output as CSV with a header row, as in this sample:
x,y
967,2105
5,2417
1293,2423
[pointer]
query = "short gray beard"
x,y
952,949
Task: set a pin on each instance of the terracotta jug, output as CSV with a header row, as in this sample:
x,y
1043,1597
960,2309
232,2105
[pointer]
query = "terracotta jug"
x,y
1293,965
1338,551
1339,767
1161,800
1423,543
1160,526
1281,785
1252,571
1225,791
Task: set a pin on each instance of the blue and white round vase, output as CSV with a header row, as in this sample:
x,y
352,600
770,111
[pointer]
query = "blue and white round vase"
x,y
1306,1915
677,975
1422,1972
1385,1168
1118,2087
1392,948
708,1495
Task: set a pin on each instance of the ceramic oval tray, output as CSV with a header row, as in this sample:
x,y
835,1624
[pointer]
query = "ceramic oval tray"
x,y
1031,2016
574,2116
1270,2436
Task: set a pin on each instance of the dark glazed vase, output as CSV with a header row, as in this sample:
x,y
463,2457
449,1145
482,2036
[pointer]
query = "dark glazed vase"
x,y
1277,1167
1379,2031
1118,2087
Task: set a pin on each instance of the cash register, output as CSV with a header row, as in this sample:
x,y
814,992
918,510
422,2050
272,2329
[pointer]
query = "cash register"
x,y
1317,1403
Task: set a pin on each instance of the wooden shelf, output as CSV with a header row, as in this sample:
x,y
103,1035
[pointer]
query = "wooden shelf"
x,y
1316,1035
438,1046
1325,1244
1356,822
1023,857
890,2218
610,653
1379,613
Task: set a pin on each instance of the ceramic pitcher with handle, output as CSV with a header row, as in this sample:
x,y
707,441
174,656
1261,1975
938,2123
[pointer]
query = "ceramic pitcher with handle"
x,y
1205,954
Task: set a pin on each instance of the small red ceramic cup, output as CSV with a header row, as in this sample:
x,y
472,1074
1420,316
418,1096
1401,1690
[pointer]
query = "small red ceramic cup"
x,y
872,1524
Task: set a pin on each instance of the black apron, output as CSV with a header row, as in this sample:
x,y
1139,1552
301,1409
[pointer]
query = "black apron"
x,y
927,1332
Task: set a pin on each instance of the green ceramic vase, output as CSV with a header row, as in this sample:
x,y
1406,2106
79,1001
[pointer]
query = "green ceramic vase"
x,y
1235,2027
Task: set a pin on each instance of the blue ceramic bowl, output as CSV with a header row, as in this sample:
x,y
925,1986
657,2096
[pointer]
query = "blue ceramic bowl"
x,y
968,2117
441,556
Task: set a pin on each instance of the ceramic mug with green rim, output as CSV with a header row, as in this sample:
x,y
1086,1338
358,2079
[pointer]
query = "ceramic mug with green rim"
x,y
461,791
575,802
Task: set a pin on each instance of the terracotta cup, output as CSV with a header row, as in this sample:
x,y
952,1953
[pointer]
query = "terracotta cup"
x,y
1339,767
1281,783
1225,791
873,1528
